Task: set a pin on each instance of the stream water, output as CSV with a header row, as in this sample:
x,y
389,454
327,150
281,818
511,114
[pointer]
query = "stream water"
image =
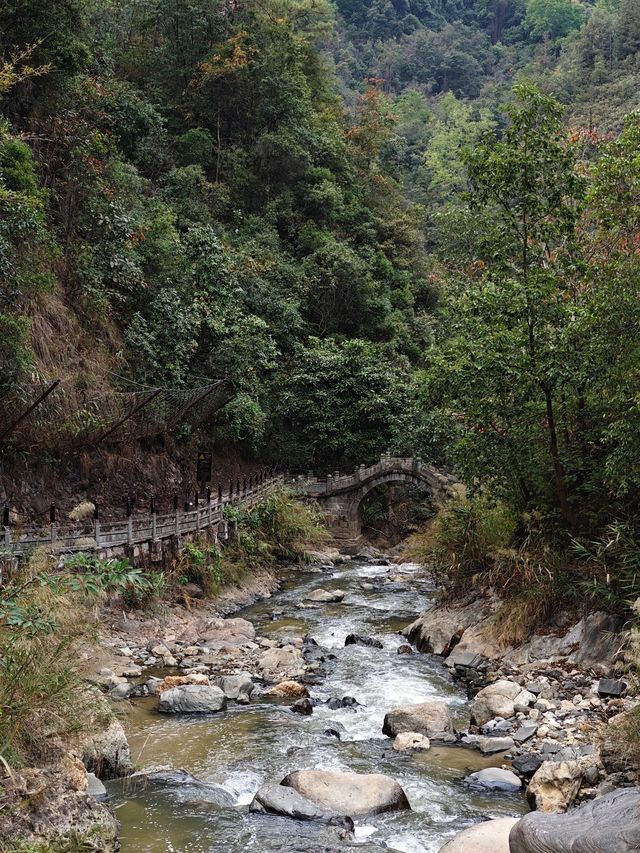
x,y
246,746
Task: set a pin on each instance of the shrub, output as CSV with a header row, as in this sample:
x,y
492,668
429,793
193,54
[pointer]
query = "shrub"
x,y
95,577
285,525
613,562
42,622
460,541
199,562
534,582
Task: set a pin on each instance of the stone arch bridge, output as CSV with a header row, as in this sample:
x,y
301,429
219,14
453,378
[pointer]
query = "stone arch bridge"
x,y
341,496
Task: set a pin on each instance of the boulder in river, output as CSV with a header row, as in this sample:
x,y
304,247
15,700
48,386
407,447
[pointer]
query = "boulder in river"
x,y
494,779
288,690
324,596
358,640
608,824
346,702
278,799
274,664
302,706
238,687
191,699
432,719
353,794
408,741
490,836
177,784
498,700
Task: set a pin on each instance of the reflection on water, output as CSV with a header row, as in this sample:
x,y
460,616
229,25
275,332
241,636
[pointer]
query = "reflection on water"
x,y
248,745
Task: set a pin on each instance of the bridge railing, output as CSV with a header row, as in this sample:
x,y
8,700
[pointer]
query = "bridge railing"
x,y
318,486
135,529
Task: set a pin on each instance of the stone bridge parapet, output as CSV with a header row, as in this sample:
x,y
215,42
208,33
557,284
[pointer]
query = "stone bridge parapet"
x,y
341,495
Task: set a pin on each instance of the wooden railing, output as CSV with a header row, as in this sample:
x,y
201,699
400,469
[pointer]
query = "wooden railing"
x,y
96,535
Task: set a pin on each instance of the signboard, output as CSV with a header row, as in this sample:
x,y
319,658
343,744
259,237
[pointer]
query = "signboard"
x,y
205,458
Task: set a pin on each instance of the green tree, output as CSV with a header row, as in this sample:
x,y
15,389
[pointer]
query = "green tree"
x,y
507,364
342,404
553,18
628,28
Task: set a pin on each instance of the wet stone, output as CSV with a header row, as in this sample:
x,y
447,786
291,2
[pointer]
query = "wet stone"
x,y
357,640
494,779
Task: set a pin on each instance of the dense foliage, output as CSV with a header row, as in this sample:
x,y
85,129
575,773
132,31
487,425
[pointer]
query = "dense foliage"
x,y
352,214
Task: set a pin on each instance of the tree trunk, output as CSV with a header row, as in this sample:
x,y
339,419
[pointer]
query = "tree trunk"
x,y
558,469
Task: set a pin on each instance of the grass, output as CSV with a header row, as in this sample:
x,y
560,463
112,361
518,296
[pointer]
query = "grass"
x,y
458,543
42,623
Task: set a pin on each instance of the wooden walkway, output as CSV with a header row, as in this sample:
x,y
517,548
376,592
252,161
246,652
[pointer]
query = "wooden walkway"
x,y
94,535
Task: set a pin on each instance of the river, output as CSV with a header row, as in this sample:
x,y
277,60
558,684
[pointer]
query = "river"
x,y
245,746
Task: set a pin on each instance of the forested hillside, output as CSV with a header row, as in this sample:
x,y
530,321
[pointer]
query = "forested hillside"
x,y
349,213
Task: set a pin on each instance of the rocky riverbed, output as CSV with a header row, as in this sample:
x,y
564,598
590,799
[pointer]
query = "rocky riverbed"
x,y
308,722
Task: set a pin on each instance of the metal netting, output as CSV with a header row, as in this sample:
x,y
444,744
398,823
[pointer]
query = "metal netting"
x,y
59,414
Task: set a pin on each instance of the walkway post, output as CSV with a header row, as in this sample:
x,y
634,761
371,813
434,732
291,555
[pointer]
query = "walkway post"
x,y
7,528
96,525
175,509
54,526
153,518
129,510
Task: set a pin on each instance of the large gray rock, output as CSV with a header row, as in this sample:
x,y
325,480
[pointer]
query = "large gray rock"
x,y
106,751
278,799
600,642
238,687
191,699
477,639
440,629
491,836
228,632
546,647
352,794
609,824
281,663
499,700
179,785
432,719
494,779
324,596
491,745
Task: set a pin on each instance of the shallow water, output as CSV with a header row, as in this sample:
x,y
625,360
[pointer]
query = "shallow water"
x,y
246,746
